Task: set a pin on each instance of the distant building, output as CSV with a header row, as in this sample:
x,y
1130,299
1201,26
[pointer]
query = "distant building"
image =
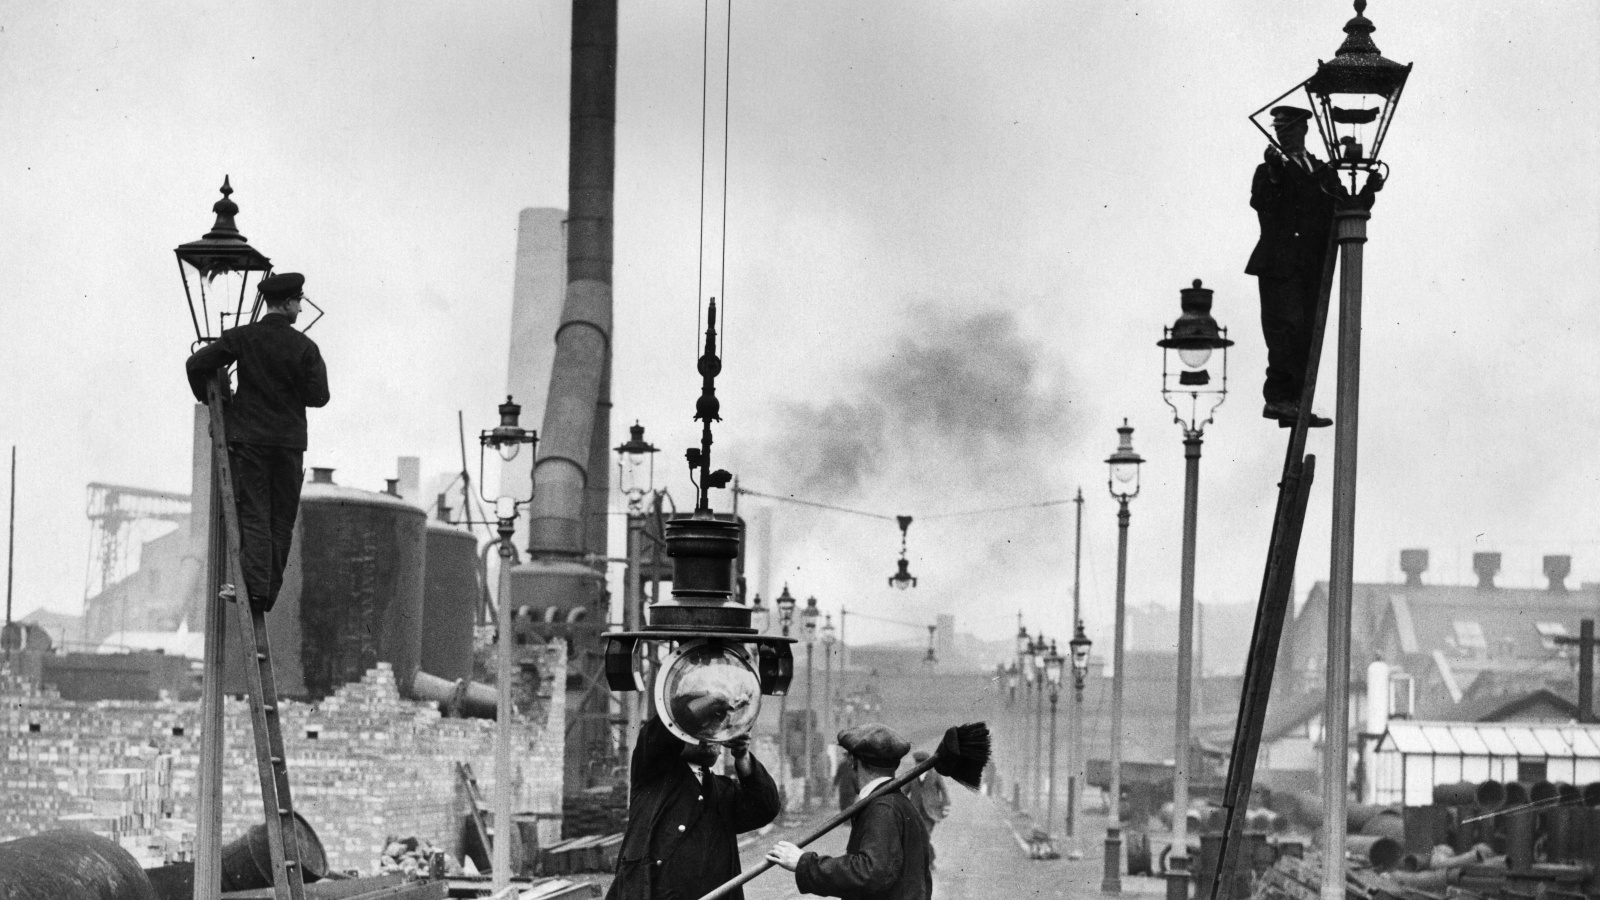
x,y
1457,643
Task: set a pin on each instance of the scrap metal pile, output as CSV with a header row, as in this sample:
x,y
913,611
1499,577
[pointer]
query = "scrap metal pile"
x,y
1489,840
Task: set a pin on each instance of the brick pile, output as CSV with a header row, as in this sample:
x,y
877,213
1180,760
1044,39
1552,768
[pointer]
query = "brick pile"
x,y
364,765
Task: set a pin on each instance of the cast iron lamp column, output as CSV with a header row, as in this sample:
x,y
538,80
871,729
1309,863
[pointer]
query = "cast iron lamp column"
x,y
1194,398
1080,645
1052,677
1075,762
785,604
1124,486
808,633
829,637
1019,719
1039,650
636,470
1353,97
507,439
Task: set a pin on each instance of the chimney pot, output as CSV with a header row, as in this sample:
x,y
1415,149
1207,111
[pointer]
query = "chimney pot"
x,y
1557,568
1487,565
391,486
1413,563
321,475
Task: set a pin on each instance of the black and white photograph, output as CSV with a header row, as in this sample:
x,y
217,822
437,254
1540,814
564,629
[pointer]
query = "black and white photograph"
x,y
939,450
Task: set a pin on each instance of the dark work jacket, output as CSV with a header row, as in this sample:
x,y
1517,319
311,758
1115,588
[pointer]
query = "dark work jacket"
x,y
1296,216
885,859
280,374
682,838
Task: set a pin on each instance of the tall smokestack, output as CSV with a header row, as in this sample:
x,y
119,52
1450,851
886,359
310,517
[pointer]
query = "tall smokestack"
x,y
1487,565
1557,568
1413,563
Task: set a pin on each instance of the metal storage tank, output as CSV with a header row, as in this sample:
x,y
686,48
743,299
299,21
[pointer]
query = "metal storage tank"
x,y
352,592
450,597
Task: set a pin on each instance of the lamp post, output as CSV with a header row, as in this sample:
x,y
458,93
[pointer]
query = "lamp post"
x,y
785,604
1353,98
1052,677
931,659
636,471
1079,645
1075,780
506,439
1037,657
808,633
216,271
1020,672
829,637
1188,389
1124,486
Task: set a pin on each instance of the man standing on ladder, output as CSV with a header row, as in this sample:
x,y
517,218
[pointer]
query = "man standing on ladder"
x,y
1296,216
280,374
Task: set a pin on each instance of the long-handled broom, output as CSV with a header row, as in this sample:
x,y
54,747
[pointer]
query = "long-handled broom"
x,y
962,755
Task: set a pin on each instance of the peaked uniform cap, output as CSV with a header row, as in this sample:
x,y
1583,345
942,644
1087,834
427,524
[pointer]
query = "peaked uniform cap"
x,y
286,284
1288,115
876,745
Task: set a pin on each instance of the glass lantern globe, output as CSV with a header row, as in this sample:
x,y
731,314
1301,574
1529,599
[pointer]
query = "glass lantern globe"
x,y
1124,463
708,692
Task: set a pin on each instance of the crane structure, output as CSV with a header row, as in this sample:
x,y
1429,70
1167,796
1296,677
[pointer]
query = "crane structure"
x,y
118,514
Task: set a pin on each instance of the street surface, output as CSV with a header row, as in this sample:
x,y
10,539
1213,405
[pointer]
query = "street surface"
x,y
978,858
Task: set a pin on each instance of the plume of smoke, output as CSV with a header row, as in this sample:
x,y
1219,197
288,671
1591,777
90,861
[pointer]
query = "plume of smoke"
x,y
964,405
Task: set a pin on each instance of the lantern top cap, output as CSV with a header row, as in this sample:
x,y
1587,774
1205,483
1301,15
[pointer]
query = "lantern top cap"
x,y
636,444
1358,67
1124,452
223,248
1195,327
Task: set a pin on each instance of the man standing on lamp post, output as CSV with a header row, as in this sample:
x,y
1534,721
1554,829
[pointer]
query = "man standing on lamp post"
x,y
280,374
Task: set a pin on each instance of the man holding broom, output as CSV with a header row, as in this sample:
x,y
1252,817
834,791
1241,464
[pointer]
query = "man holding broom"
x,y
888,856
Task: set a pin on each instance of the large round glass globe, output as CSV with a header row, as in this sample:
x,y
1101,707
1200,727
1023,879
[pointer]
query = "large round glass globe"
x,y
709,693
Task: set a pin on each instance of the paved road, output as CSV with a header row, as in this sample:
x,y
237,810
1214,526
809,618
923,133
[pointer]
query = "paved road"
x,y
978,859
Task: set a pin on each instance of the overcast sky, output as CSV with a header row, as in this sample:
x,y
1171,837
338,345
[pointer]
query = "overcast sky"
x,y
955,233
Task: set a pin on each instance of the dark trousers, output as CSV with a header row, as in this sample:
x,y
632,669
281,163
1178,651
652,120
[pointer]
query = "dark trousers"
x,y
266,485
1288,313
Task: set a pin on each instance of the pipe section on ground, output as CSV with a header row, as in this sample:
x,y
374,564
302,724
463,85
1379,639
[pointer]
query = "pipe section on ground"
x,y
70,865
1379,852
1486,795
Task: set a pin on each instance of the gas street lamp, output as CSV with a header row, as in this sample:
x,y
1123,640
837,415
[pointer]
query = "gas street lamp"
x,y
930,659
1052,676
1124,486
808,634
217,271
506,439
760,616
829,637
1194,399
1079,646
636,469
785,605
1037,657
716,665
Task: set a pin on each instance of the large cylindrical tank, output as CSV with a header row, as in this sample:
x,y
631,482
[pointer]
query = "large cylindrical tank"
x,y
70,865
352,592
450,594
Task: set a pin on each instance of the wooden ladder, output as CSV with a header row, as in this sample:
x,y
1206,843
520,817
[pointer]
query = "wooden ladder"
x,y
288,880
475,800
1272,611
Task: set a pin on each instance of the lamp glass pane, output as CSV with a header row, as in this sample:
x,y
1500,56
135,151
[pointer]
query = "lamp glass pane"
x,y
505,508
1194,357
1124,471
508,450
709,693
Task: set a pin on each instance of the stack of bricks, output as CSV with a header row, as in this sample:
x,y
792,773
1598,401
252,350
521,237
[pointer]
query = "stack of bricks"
x,y
364,765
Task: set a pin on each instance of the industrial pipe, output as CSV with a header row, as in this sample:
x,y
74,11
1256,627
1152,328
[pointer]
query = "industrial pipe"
x,y
1387,823
1516,794
70,865
1486,795
463,698
1381,853
1591,794
1357,815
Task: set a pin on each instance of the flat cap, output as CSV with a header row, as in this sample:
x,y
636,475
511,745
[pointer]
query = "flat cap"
x,y
874,744
285,284
1288,115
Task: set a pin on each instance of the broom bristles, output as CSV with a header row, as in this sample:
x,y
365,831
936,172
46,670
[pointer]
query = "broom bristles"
x,y
963,754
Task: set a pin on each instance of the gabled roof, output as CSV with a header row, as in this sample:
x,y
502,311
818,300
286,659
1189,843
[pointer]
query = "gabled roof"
x,y
1493,738
1506,708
